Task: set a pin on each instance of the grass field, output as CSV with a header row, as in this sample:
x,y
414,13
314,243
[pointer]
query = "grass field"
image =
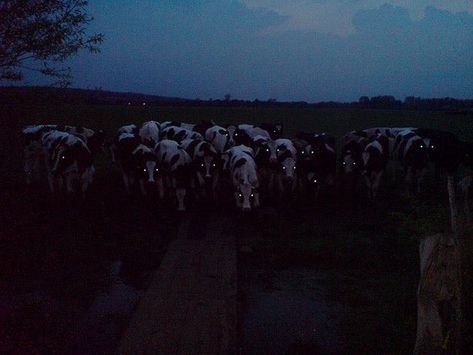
x,y
63,250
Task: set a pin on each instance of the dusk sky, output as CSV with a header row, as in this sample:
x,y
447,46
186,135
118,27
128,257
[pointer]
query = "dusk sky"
x,y
311,50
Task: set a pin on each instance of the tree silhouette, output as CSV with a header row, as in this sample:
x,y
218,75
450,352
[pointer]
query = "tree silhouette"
x,y
39,35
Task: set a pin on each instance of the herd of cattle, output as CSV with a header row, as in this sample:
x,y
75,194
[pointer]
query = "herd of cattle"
x,y
177,158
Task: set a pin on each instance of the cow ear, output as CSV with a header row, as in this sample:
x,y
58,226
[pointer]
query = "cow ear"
x,y
174,159
239,163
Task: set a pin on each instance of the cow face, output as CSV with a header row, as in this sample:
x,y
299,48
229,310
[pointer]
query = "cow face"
x,y
288,168
148,170
240,136
350,165
274,130
246,197
97,141
207,166
64,159
262,152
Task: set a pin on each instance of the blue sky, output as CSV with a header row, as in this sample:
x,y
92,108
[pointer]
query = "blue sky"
x,y
312,50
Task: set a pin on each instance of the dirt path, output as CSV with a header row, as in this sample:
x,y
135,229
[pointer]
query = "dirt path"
x,y
190,306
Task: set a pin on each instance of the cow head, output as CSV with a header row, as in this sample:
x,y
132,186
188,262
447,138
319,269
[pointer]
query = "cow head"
x,y
240,136
288,168
350,164
246,197
275,130
97,141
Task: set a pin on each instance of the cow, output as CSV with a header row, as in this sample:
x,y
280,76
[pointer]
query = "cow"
x,y
242,168
375,156
283,157
67,159
244,133
219,137
175,163
178,134
149,133
411,151
317,160
137,162
33,150
275,130
206,164
444,149
352,162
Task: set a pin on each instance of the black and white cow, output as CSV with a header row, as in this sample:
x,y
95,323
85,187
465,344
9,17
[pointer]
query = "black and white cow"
x,y
317,161
375,156
220,138
284,175
275,130
412,152
178,134
444,149
242,168
149,133
352,162
33,148
206,164
67,159
243,134
137,162
175,163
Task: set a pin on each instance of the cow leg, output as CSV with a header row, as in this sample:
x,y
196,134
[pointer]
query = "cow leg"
x,y
465,185
368,185
180,195
142,187
256,199
69,187
160,183
280,184
377,181
237,200
126,182
420,179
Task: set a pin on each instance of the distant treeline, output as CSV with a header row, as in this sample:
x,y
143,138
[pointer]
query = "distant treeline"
x,y
37,94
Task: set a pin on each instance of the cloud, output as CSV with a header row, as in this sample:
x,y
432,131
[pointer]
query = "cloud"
x,y
335,16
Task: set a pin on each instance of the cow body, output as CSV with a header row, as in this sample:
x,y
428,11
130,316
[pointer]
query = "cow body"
x,y
220,138
137,162
178,134
242,168
175,163
375,156
33,146
67,159
206,164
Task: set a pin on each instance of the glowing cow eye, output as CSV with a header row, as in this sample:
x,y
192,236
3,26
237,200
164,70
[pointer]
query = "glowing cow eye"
x,y
302,152
252,195
354,163
202,165
432,146
156,169
240,195
63,157
283,168
315,180
267,149
294,168
144,169
421,146
312,152
344,163
236,134
277,150
214,164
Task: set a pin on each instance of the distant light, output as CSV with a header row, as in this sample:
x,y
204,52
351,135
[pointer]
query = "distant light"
x,y
144,103
129,103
